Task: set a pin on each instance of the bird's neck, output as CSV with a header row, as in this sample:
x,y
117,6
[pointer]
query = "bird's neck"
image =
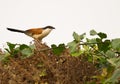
x,y
46,32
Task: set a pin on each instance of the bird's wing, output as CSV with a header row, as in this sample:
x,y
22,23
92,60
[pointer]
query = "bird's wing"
x,y
34,31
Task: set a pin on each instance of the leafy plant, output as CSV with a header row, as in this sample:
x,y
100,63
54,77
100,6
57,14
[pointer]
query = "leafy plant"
x,y
74,46
98,50
58,49
26,50
116,44
14,49
102,52
115,62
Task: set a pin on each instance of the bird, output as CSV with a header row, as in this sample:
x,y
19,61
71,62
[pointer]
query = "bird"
x,y
35,33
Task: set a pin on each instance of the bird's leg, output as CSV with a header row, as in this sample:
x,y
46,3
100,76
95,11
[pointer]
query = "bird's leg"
x,y
38,44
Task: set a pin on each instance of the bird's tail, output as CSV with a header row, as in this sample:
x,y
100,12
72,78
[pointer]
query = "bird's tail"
x,y
16,30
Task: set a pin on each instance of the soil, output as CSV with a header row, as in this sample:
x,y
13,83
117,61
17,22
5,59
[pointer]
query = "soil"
x,y
46,68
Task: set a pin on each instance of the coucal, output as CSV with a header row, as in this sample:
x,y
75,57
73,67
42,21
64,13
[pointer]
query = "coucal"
x,y
36,33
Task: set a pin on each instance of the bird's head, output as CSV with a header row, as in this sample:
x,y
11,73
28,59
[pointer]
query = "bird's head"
x,y
49,27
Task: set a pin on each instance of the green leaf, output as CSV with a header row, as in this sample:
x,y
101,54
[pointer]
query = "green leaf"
x,y
116,44
23,46
7,50
110,54
32,46
11,46
93,32
12,50
93,40
114,78
53,46
102,35
82,36
26,52
114,62
76,36
77,53
98,40
58,49
104,46
72,46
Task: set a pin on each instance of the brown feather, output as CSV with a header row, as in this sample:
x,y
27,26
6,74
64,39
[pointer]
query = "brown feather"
x,y
34,31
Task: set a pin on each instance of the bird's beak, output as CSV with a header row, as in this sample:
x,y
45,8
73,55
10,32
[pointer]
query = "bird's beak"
x,y
53,27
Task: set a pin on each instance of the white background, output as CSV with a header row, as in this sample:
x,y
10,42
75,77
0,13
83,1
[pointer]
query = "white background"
x,y
65,15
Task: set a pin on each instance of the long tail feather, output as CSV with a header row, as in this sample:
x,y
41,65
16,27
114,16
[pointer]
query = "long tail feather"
x,y
16,30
